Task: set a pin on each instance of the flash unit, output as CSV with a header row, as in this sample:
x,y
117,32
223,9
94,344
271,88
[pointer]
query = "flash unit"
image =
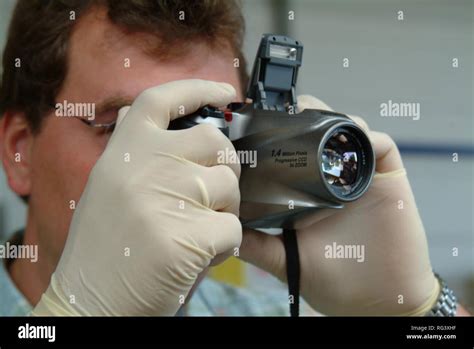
x,y
285,52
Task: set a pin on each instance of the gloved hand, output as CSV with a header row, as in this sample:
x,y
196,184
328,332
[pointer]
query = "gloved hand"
x,y
395,276
144,229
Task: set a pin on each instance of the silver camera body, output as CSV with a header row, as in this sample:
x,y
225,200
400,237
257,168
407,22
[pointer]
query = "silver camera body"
x,y
293,164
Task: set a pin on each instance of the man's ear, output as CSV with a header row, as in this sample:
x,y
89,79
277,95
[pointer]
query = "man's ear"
x,y
16,139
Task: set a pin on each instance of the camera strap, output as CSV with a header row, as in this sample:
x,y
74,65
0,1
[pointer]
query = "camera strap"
x,y
292,270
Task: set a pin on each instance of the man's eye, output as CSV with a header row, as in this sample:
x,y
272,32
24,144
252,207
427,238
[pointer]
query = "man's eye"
x,y
108,129
105,122
106,118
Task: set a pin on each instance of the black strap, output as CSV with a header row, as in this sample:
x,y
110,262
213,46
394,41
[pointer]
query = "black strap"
x,y
292,270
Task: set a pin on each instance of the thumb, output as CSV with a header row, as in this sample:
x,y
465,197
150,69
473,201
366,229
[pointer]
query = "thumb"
x,y
265,251
386,152
164,103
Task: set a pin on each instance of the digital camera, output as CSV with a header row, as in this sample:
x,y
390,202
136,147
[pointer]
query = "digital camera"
x,y
293,163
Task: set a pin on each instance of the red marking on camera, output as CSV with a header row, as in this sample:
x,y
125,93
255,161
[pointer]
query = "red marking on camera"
x,y
228,116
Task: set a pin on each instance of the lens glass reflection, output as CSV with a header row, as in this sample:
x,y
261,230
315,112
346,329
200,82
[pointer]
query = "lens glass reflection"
x,y
340,162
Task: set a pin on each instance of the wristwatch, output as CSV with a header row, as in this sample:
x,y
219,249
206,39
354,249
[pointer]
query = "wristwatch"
x,y
447,304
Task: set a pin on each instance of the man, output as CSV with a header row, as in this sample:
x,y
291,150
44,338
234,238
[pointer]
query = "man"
x,y
155,208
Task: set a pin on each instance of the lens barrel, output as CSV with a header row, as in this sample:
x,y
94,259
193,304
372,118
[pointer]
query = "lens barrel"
x,y
346,161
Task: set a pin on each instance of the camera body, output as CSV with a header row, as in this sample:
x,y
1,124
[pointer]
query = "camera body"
x,y
293,164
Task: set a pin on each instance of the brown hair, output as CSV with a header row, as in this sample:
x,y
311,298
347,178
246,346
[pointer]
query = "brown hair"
x,y
39,34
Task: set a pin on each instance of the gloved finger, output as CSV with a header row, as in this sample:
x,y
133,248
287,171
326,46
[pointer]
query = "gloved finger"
x,y
225,231
386,152
361,122
121,114
203,144
218,188
215,187
162,104
263,250
310,102
223,236
220,258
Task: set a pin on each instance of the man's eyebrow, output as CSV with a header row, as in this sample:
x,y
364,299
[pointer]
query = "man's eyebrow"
x,y
112,103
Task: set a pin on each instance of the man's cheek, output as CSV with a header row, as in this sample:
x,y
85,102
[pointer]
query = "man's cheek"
x,y
62,173
74,173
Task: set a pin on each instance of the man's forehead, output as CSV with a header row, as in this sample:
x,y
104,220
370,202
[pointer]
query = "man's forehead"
x,y
95,32
106,64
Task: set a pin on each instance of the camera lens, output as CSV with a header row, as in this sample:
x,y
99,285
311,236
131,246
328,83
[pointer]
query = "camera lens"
x,y
342,162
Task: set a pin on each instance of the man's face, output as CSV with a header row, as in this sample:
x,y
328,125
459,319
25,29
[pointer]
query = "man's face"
x,y
104,65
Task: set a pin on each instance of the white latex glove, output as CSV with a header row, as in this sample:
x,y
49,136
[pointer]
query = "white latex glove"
x,y
395,277
172,207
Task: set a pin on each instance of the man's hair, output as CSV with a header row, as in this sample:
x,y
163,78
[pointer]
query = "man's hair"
x,y
35,59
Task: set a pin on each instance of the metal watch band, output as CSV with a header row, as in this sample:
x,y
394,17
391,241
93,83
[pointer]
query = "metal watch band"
x,y
447,304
